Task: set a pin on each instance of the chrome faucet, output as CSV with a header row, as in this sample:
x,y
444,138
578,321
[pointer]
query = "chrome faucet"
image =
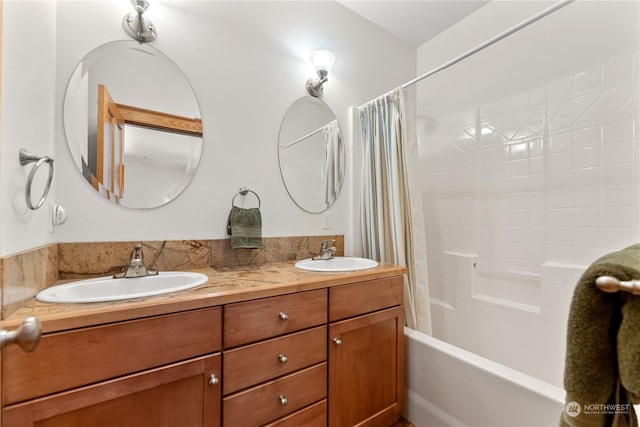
x,y
136,266
326,251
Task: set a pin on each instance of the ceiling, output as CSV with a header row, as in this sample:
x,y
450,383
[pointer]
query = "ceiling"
x,y
414,21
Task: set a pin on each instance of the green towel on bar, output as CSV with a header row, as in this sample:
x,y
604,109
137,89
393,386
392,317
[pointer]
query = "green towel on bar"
x,y
245,227
602,364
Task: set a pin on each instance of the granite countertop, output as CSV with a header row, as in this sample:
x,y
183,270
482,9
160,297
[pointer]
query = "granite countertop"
x,y
225,286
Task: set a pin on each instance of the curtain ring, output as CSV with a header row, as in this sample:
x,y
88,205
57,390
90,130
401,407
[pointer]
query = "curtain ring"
x,y
25,158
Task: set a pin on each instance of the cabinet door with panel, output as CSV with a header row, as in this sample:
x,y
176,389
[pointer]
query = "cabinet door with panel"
x,y
185,394
366,369
156,371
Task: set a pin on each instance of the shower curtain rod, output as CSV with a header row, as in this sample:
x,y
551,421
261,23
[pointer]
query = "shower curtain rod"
x,y
489,42
302,138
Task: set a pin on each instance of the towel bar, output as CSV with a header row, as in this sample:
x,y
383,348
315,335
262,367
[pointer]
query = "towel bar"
x,y
611,284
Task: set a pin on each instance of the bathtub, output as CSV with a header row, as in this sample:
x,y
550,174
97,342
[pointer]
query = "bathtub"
x,y
449,386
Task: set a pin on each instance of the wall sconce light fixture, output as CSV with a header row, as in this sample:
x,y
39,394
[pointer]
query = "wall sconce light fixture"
x,y
136,25
322,61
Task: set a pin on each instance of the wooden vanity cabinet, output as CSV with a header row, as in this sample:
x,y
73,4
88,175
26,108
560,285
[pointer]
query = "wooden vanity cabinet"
x,y
156,371
325,357
366,353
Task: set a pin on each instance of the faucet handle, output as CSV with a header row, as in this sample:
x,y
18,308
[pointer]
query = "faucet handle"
x,y
136,253
326,243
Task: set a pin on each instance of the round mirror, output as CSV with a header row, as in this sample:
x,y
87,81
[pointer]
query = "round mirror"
x,y
311,154
133,124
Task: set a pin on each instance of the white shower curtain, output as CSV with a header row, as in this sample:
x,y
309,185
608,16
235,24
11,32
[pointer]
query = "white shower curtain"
x,y
333,161
392,221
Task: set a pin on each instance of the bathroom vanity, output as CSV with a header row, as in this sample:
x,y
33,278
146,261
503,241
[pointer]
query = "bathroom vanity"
x,y
272,346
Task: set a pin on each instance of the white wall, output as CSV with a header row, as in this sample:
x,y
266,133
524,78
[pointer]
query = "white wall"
x,y
551,183
28,111
247,62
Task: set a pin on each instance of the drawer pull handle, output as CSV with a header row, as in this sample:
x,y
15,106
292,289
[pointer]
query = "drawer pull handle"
x,y
283,316
282,358
337,341
213,380
283,400
26,336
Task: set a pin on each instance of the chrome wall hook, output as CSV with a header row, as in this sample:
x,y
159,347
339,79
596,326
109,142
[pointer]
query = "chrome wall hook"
x,y
27,157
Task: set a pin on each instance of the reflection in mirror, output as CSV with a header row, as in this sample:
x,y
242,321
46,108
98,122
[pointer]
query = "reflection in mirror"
x,y
311,154
133,125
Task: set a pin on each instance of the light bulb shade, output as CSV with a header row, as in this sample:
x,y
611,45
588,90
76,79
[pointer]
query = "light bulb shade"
x,y
323,60
140,5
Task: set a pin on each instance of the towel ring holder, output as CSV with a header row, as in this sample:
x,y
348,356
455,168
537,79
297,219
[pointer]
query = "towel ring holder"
x,y
25,158
243,192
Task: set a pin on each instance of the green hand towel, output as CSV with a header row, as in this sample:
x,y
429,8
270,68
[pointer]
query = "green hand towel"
x,y
602,364
245,227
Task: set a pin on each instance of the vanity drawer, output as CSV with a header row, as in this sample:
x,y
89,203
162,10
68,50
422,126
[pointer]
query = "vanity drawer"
x,y
71,359
251,321
312,416
256,363
275,399
365,297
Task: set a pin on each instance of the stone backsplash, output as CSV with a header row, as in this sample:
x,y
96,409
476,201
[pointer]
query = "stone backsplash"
x,y
26,274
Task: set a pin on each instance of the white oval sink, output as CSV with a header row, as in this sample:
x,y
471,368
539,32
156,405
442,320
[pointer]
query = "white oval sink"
x,y
336,264
109,289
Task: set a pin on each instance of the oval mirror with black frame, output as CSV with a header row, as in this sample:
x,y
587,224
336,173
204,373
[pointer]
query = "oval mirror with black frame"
x,y
311,154
133,124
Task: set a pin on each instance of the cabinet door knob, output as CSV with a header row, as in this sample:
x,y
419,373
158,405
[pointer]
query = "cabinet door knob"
x,y
283,316
283,400
27,336
337,341
282,358
213,380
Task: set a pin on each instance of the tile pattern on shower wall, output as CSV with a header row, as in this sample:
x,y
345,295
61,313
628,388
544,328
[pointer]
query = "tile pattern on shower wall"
x,y
550,174
541,183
